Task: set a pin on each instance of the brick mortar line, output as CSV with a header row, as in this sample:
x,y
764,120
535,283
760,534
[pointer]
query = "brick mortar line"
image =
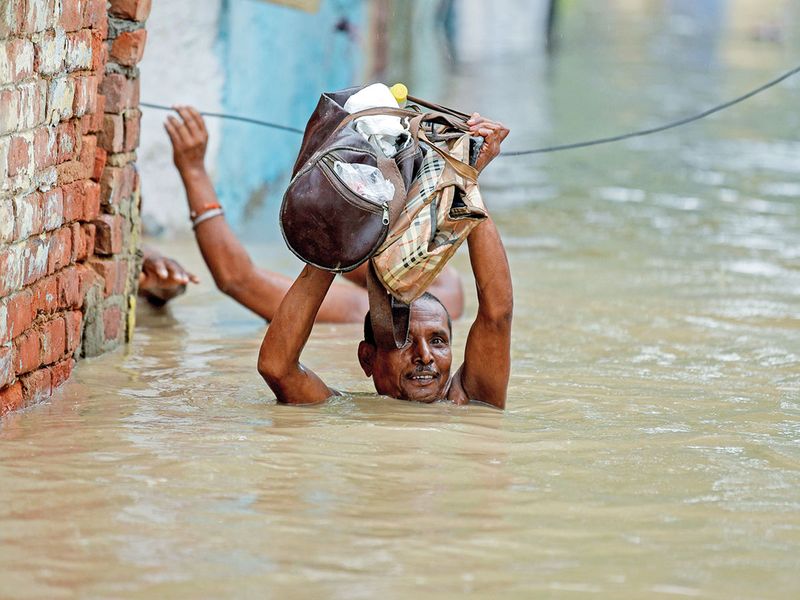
x,y
50,77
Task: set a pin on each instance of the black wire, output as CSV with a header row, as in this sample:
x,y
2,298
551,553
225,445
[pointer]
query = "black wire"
x,y
684,121
558,148
230,118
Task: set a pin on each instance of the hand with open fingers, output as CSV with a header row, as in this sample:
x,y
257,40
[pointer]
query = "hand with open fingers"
x,y
189,138
493,134
162,278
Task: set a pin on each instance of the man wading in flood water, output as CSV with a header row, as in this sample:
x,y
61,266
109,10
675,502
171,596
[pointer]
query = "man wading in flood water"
x,y
420,370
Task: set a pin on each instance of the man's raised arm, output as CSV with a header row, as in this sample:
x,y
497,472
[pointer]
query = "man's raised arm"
x,y
487,357
226,258
279,358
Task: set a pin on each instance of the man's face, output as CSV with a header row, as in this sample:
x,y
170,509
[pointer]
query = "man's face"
x,y
421,369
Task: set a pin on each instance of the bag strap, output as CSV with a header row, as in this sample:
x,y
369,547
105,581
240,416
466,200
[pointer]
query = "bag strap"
x,y
417,132
468,172
374,112
390,319
439,108
447,119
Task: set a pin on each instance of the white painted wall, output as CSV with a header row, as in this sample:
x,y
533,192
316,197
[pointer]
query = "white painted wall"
x,y
180,66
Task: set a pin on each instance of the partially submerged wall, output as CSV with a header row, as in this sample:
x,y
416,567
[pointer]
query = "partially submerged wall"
x,y
69,199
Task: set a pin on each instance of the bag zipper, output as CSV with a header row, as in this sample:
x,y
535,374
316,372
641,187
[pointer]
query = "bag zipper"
x,y
321,154
348,194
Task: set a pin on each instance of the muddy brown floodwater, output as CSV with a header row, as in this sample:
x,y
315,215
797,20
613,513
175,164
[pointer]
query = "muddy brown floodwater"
x,y
651,445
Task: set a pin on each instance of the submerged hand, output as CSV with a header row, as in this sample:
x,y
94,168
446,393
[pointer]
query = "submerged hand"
x,y
189,139
162,278
493,134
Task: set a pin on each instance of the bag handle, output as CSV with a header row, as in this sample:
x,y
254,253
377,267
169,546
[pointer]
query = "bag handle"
x,y
440,108
390,319
446,119
416,130
463,169
466,171
373,112
401,112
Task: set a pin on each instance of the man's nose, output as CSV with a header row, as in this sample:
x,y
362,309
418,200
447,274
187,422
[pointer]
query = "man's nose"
x,y
422,353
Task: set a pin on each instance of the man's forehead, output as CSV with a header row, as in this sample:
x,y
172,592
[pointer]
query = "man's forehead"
x,y
429,313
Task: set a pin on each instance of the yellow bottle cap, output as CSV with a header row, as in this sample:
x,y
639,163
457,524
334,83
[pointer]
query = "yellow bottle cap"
x,y
400,92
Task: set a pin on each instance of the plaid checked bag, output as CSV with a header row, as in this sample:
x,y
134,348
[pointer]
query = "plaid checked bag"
x,y
442,206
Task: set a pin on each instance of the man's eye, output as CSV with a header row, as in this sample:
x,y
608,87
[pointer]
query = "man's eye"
x,y
438,340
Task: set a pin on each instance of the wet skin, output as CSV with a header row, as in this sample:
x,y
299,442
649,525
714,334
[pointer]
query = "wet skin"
x,y
420,370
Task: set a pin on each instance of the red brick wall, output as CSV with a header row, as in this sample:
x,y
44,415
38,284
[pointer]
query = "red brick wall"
x,y
69,191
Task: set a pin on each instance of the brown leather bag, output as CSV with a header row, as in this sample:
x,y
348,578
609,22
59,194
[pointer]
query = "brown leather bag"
x,y
323,221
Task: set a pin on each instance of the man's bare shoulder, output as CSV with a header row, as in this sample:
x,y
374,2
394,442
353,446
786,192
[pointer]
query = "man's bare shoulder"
x,y
456,392
458,395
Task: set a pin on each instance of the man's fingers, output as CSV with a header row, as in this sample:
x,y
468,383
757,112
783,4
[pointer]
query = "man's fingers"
x,y
189,122
504,131
179,274
180,127
491,131
198,120
157,266
176,273
486,130
171,132
483,129
181,136
180,131
486,124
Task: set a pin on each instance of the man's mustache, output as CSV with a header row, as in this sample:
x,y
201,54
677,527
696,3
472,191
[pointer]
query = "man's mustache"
x,y
425,370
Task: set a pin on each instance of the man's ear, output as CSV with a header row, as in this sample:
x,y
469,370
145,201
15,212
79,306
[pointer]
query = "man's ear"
x,y
366,357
